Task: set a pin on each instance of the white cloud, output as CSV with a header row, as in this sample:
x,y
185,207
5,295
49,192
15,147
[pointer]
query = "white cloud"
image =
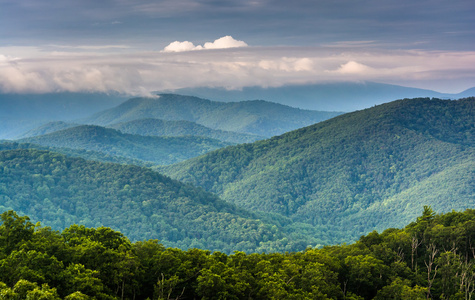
x,y
352,67
177,46
221,43
225,42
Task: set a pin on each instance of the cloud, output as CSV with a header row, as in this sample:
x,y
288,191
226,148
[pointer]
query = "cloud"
x,y
221,43
137,73
352,67
288,64
92,47
225,42
177,46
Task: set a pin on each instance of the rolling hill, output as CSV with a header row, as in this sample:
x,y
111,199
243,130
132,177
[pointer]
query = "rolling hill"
x,y
158,150
156,127
346,176
61,191
253,117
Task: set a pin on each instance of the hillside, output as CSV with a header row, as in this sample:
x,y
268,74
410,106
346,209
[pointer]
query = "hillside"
x,y
344,177
156,127
158,150
78,153
253,117
61,191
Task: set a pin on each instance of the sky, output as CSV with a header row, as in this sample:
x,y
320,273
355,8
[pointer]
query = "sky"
x,y
139,46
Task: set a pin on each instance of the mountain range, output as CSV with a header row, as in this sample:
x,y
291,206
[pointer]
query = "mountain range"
x,y
341,178
342,96
143,204
258,117
319,178
156,127
154,149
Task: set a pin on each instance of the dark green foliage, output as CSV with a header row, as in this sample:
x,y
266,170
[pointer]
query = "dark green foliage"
x,y
353,173
157,150
88,263
155,127
254,117
86,154
137,201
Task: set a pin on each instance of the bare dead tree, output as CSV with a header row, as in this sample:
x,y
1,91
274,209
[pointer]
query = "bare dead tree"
x,y
432,251
414,245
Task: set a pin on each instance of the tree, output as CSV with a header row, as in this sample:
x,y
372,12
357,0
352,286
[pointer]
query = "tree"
x,y
14,230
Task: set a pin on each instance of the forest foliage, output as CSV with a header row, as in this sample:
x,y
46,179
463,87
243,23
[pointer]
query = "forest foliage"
x,y
431,258
338,179
60,191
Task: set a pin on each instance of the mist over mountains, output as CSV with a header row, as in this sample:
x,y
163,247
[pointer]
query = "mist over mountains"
x,y
256,117
343,96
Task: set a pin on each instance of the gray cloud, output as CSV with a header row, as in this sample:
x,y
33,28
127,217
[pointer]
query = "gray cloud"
x,y
428,24
140,72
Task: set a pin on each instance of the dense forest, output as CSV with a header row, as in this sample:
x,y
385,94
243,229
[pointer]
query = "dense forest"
x,y
60,191
340,178
432,257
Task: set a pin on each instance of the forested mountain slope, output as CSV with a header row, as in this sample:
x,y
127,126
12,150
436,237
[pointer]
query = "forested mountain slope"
x,y
78,153
156,127
343,177
254,117
143,204
158,150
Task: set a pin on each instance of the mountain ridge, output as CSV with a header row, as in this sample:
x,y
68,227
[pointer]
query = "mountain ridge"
x,y
332,171
257,117
159,150
61,191
343,96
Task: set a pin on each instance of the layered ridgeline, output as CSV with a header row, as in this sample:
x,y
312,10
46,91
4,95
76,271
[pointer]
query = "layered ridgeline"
x,y
253,117
23,112
157,150
340,96
346,176
79,153
156,127
142,204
